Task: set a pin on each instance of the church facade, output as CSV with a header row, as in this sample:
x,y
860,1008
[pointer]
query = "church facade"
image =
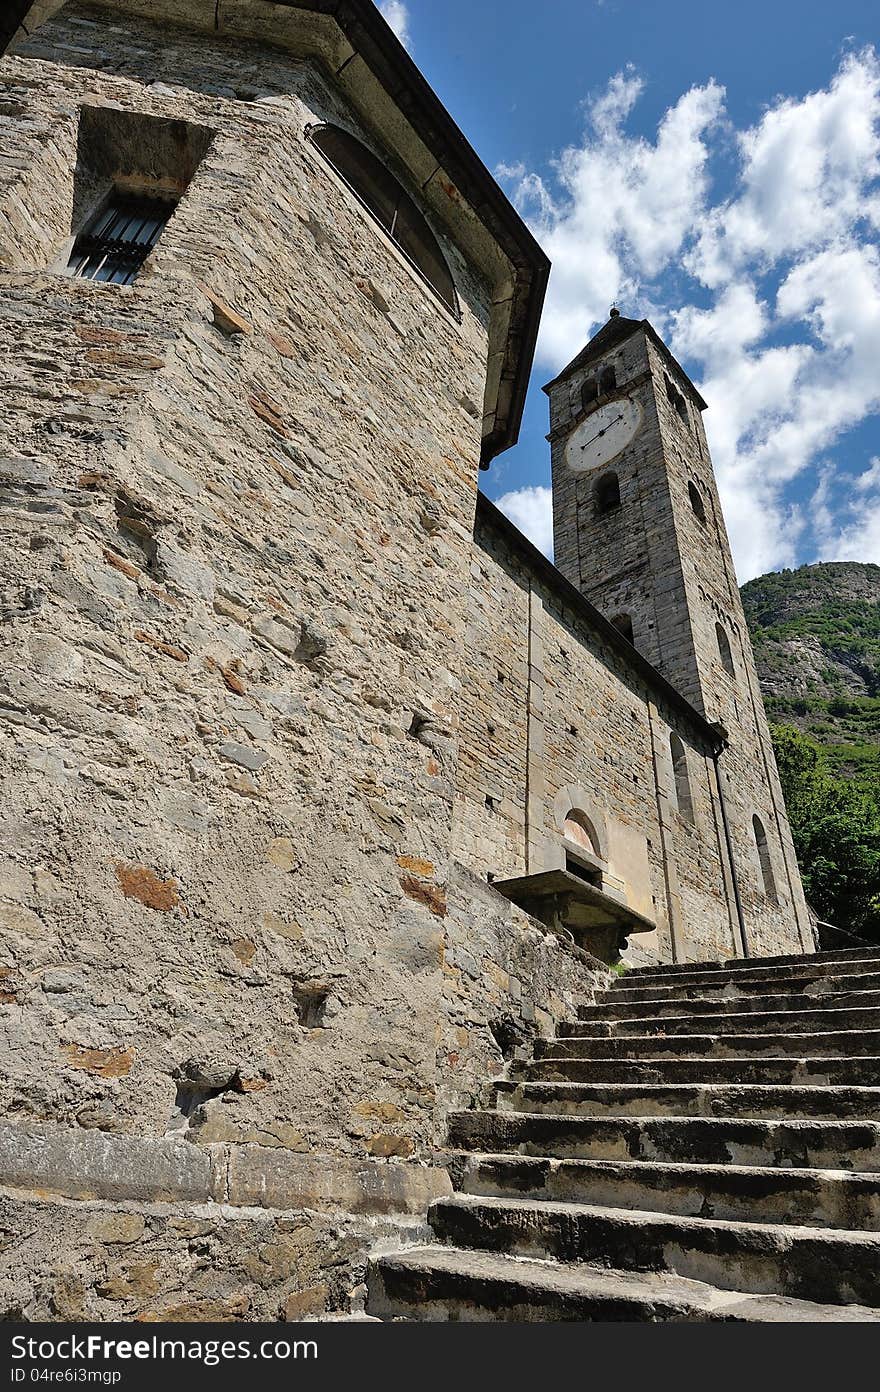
x,y
323,790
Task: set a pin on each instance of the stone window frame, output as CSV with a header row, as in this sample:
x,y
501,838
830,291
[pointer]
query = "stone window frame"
x,y
698,507
681,779
766,875
453,314
115,160
606,493
579,830
725,651
575,799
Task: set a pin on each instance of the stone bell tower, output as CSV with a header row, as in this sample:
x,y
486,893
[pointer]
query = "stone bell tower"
x,y
636,517
638,529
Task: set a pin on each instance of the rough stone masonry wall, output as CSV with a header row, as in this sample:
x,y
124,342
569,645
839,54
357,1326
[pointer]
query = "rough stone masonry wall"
x,y
751,781
105,1226
655,560
553,716
625,560
232,596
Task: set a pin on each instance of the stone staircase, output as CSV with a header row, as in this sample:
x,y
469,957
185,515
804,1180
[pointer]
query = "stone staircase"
x,y
703,1143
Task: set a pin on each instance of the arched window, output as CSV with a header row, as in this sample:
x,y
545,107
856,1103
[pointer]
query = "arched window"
x,y
624,624
677,400
607,380
768,879
578,828
697,503
606,494
589,393
683,799
389,204
724,651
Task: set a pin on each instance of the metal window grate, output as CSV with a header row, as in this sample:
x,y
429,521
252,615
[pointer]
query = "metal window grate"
x,y
117,242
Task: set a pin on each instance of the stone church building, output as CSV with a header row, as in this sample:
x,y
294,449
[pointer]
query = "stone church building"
x,y
323,791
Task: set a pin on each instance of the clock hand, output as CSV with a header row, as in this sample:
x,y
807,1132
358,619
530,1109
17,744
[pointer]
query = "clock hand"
x,y
602,431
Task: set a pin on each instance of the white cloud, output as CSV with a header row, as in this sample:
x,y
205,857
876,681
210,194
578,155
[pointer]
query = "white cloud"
x,y
397,15
771,295
805,168
620,210
531,509
853,532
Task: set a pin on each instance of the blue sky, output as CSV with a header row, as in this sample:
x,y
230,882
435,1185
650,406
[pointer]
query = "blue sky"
x,y
715,168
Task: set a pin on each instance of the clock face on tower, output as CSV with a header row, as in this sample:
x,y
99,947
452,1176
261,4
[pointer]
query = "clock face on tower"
x,y
605,432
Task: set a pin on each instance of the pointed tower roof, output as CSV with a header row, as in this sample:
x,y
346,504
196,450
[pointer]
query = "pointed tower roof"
x,y
616,330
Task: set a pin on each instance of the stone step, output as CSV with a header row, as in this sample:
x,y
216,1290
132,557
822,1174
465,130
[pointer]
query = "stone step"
x,y
833,1266
445,1283
830,1145
664,1007
744,1100
847,957
820,1198
845,1043
846,1072
810,981
768,1022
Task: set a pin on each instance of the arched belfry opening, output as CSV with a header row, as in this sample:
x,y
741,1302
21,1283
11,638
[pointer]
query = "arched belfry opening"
x,y
606,494
724,650
697,504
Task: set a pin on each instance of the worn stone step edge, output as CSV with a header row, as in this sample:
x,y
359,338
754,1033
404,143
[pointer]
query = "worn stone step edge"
x,y
809,1196
848,1043
787,1021
736,964
788,984
774,1004
742,1100
485,1285
792,1071
834,1265
791,1144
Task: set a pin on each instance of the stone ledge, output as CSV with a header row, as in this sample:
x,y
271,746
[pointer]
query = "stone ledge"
x,y
260,1177
94,1165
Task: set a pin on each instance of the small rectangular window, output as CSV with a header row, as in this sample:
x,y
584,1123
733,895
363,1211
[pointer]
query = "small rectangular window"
x,y
116,243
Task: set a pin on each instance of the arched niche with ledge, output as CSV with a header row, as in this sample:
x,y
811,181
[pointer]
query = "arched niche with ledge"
x,y
578,828
577,892
580,822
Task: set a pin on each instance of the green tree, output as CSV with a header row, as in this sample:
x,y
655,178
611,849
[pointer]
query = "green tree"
x,y
836,830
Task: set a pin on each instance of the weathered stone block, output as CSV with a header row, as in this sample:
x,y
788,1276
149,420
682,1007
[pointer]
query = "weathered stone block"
x,y
91,1164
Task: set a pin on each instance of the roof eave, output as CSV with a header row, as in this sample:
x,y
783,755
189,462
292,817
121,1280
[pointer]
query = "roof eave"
x,y
631,326
369,34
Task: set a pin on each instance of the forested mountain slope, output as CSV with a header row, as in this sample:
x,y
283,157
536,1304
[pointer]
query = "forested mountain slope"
x,y
816,635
